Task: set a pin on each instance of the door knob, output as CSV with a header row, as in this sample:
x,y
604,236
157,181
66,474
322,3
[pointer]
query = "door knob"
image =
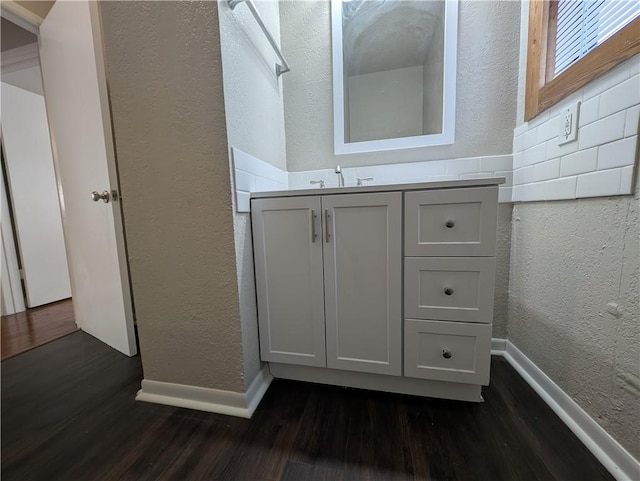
x,y
96,196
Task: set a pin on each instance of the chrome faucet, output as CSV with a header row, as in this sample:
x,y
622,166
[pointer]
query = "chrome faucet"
x,y
340,176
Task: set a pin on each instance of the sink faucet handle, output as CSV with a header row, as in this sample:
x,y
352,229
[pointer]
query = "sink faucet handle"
x,y
321,182
363,179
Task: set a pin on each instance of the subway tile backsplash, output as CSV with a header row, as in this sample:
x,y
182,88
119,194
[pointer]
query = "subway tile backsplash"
x,y
601,161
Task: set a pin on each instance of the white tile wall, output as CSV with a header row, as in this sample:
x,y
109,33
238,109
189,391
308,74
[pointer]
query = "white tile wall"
x,y
434,170
601,162
251,174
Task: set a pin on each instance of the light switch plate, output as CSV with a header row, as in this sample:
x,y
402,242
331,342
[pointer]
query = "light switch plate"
x,y
569,124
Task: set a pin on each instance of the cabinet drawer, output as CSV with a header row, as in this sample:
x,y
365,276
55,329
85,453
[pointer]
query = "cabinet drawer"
x,y
449,288
456,222
447,351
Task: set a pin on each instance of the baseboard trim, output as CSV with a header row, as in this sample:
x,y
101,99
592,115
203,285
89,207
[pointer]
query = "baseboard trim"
x,y
206,399
498,346
614,457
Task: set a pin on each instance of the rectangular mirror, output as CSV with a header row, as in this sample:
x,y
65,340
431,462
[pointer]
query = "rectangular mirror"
x,y
394,73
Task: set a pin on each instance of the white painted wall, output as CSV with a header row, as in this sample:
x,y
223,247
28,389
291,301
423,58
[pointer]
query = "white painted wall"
x,y
34,195
255,125
575,273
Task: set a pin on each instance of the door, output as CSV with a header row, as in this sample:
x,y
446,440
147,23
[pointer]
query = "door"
x,y
287,245
34,196
79,120
363,281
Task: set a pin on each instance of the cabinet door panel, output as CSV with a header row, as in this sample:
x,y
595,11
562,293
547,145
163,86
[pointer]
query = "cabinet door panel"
x,y
288,265
363,291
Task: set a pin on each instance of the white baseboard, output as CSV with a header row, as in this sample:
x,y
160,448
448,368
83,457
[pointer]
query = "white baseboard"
x,y
498,346
205,399
618,461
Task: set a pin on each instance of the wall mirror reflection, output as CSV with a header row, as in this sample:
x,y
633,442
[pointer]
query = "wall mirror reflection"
x,y
394,71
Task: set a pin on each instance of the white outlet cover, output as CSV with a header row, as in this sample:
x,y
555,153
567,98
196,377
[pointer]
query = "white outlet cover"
x,y
568,124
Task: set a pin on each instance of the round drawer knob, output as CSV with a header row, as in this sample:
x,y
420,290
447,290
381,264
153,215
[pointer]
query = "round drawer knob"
x,y
450,223
448,291
446,354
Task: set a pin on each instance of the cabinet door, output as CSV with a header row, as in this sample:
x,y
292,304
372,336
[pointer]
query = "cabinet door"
x,y
363,291
288,263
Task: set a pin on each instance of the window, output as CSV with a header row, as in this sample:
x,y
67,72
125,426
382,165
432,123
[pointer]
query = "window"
x,y
572,42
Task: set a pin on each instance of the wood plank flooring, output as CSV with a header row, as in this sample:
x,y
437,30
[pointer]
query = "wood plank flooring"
x,y
68,413
35,327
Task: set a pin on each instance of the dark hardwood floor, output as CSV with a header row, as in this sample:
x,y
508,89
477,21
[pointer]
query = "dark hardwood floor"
x,y
68,413
35,327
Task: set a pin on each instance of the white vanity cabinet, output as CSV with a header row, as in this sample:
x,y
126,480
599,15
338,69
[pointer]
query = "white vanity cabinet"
x,y
387,288
330,264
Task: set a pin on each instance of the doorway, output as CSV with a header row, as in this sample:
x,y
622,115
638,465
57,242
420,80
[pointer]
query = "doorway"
x,y
36,300
85,194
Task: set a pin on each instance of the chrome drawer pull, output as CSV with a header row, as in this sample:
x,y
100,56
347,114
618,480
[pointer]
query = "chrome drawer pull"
x,y
448,291
450,223
446,354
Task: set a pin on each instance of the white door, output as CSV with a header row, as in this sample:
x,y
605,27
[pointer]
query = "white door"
x,y
79,119
34,196
363,281
288,260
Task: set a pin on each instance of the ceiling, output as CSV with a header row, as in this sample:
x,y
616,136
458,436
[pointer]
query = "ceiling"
x,y
40,8
388,34
14,36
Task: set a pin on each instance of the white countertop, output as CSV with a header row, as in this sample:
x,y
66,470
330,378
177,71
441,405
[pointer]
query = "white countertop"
x,y
444,184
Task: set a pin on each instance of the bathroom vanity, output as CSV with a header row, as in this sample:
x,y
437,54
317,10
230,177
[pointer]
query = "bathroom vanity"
x,y
380,287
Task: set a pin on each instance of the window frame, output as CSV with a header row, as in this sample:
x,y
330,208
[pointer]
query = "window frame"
x,y
542,89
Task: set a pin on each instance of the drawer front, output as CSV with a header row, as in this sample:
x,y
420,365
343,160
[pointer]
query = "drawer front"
x,y
447,351
449,288
455,222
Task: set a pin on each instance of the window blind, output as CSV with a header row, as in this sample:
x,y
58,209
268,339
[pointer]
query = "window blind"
x,y
582,25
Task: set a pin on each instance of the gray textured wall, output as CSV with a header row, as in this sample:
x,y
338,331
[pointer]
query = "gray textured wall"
x,y
503,256
255,124
486,90
571,263
165,81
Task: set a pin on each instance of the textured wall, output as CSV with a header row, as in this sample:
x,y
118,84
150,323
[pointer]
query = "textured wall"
x,y
486,90
503,255
165,81
252,92
255,124
572,263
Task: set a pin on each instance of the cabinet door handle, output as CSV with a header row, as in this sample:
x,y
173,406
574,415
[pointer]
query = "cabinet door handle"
x,y
313,225
326,226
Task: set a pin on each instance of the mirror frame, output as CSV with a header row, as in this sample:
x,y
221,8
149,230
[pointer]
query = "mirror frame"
x,y
447,136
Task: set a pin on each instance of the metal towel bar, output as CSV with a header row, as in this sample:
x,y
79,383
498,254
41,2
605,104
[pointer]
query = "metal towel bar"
x,y
280,67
